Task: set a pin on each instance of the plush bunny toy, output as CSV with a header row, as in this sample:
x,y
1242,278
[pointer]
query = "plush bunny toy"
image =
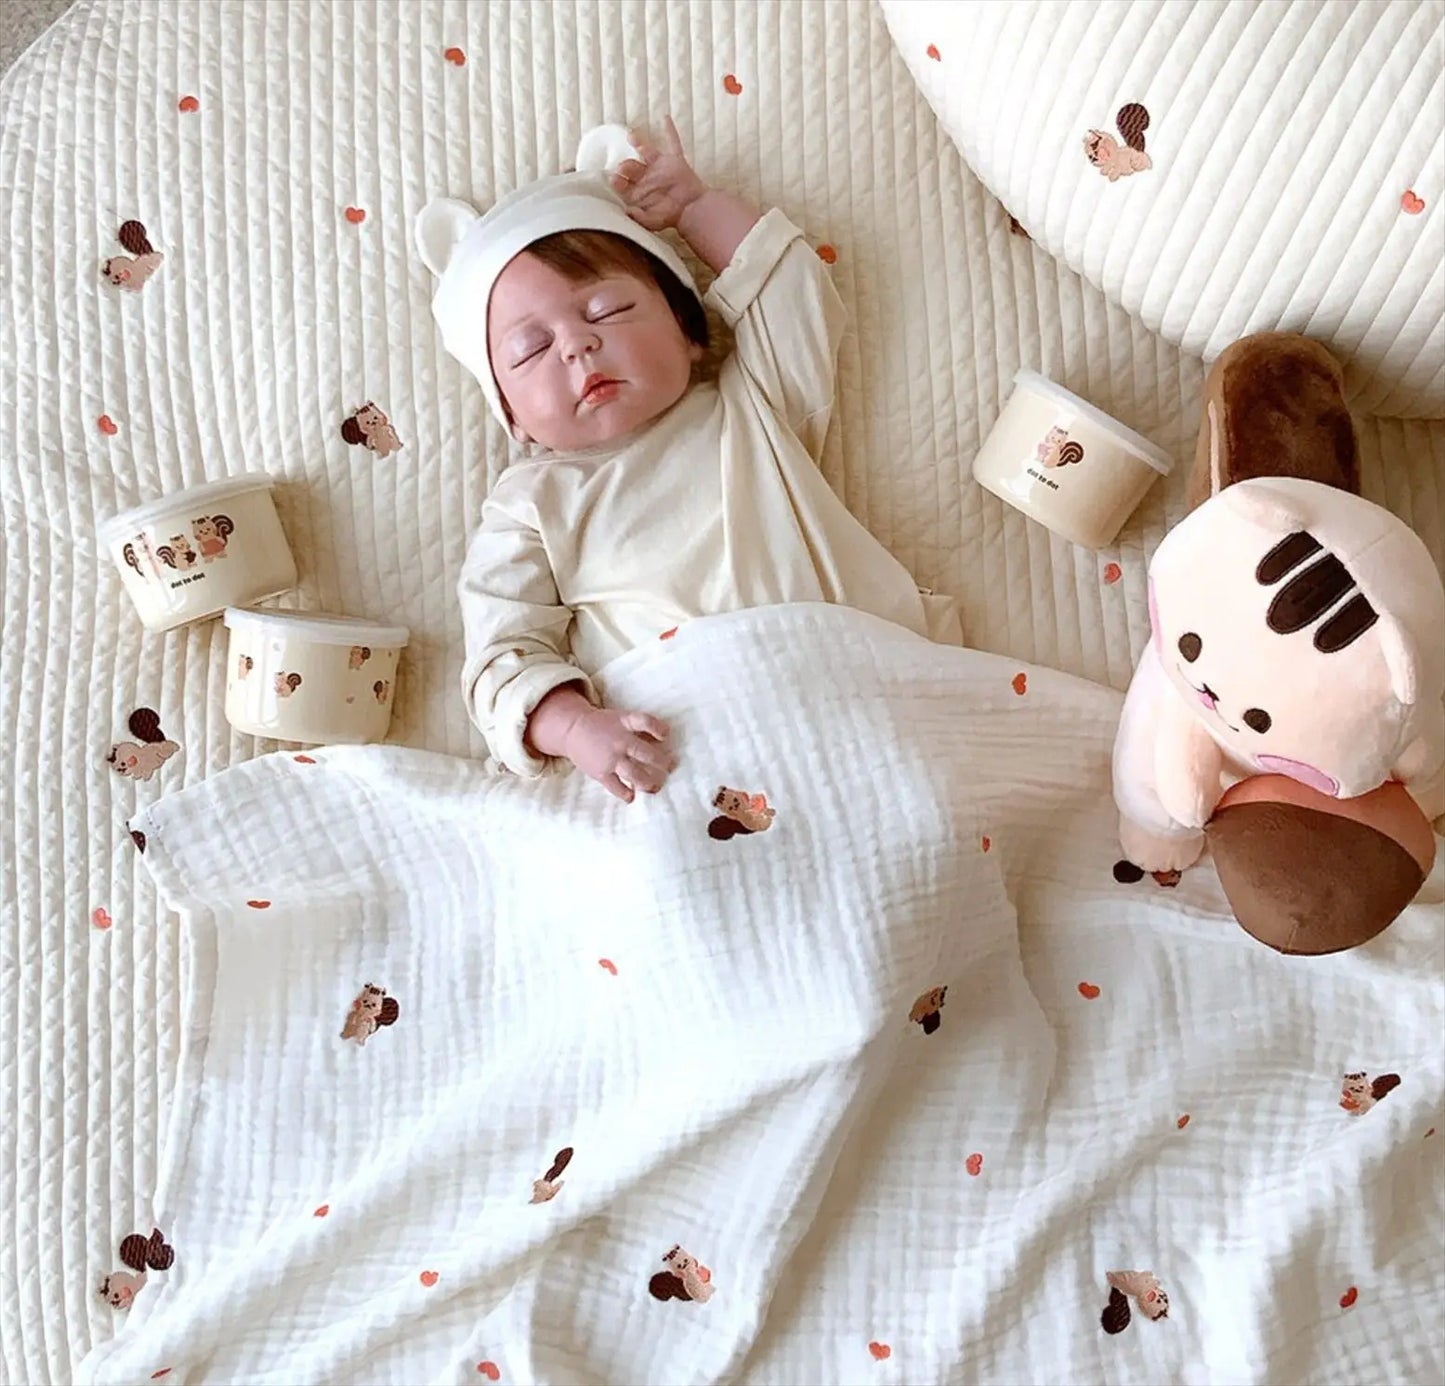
x,y
1297,630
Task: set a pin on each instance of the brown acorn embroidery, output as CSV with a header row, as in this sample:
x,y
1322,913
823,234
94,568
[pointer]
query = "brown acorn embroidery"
x,y
139,838
925,1011
368,427
358,656
740,813
287,684
138,1254
685,1278
1358,1094
132,270
370,1011
545,1189
1115,160
141,758
1057,449
1147,1293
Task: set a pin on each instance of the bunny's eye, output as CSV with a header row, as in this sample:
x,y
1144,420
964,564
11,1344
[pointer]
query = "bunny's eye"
x,y
1257,719
1190,646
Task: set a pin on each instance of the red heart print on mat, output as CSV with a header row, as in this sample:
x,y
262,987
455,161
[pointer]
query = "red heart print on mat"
x,y
827,254
668,634
303,760
490,1370
1412,204
455,57
1347,1300
188,104
259,904
932,51
974,1164
1088,991
607,965
732,86
429,1278
1021,684
1183,1121
107,425
100,918
1112,573
986,843
322,1211
881,1351
356,215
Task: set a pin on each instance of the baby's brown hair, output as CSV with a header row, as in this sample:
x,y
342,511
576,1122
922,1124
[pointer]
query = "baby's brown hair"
x,y
582,255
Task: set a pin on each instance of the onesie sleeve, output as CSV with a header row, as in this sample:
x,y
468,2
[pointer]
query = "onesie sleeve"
x,y
787,320
517,646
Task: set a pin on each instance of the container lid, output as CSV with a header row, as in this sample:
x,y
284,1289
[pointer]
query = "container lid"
x,y
1136,443
198,498
319,627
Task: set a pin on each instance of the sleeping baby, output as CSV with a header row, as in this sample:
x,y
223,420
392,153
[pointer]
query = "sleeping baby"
x,y
645,498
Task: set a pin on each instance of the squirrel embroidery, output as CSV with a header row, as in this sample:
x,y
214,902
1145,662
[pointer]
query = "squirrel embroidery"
x,y
1115,160
926,1009
178,553
211,533
137,1254
141,758
287,684
545,1189
684,1278
131,271
359,655
244,665
741,813
371,1010
1359,1094
382,689
370,428
1147,1293
1057,449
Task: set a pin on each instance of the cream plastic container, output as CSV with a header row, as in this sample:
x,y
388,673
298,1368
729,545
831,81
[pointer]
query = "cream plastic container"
x,y
191,555
311,677
1067,464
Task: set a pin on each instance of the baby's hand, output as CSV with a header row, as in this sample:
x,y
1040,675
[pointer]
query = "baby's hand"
x,y
622,751
659,187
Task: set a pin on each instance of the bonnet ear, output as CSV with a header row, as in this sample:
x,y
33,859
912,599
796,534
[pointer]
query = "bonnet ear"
x,y
439,230
1262,505
603,147
1400,661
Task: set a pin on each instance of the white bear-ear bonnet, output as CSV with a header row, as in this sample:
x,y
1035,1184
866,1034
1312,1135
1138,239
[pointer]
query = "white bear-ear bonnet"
x,y
468,250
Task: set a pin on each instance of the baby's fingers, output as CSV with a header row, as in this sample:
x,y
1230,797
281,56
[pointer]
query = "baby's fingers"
x,y
644,724
656,755
644,776
672,138
647,151
629,171
613,784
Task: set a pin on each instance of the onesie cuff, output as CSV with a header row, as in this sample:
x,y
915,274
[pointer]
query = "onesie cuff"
x,y
516,703
757,256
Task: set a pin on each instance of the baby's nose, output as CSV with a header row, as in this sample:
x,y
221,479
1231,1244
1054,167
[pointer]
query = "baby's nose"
x,y
579,345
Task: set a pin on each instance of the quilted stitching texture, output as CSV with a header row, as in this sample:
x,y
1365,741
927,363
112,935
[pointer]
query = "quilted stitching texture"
x,y
272,317
1284,139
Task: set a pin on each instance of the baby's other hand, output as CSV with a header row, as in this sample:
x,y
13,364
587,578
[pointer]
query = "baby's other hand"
x,y
622,751
660,186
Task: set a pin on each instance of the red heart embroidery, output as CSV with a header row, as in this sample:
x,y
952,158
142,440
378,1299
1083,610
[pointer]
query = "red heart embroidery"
x,y
668,634
1112,573
100,919
429,1278
1411,204
607,965
1349,1297
1021,684
827,255
987,843
881,1351
1183,1121
259,904
188,104
974,1164
932,51
456,57
322,1211
164,1371
490,1370
107,425
303,760
356,215
1088,991
732,86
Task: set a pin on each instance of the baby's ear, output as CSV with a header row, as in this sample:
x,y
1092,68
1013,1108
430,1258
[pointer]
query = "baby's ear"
x,y
439,230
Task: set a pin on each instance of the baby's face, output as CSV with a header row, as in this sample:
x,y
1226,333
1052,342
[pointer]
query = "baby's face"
x,y
584,364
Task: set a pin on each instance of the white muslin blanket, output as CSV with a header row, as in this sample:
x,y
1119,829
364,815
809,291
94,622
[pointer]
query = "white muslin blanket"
x,y
757,1084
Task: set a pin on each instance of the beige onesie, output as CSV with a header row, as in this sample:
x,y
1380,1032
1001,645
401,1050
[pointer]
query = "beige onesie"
x,y
716,505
